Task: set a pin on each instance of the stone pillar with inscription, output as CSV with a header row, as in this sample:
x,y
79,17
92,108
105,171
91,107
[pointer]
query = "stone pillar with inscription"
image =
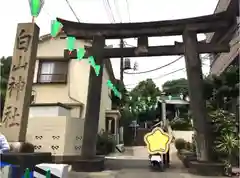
x,y
17,102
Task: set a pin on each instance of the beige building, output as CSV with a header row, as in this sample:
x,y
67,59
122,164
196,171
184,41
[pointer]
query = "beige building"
x,y
219,62
59,99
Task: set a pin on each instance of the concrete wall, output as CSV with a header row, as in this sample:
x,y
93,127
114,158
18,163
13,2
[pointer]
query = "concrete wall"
x,y
106,102
59,135
221,6
223,60
41,111
186,135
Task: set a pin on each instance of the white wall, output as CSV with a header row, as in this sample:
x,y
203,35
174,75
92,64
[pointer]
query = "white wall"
x,y
47,111
186,135
106,102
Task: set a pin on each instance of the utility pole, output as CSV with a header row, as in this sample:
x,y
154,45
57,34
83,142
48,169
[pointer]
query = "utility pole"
x,y
121,61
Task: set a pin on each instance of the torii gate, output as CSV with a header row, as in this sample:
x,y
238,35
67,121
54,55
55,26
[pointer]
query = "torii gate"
x,y
191,48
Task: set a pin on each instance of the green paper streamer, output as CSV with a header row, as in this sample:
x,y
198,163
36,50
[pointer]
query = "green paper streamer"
x,y
91,61
55,28
80,53
70,43
97,69
109,84
113,88
48,174
27,173
35,7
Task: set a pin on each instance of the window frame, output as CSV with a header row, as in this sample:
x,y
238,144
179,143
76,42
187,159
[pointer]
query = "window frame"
x,y
52,60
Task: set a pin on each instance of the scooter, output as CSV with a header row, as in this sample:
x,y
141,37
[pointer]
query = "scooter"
x,y
156,162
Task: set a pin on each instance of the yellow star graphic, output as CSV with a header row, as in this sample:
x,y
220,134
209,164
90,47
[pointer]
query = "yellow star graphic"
x,y
157,141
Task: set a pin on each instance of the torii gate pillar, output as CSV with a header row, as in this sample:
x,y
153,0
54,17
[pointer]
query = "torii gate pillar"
x,y
196,93
93,101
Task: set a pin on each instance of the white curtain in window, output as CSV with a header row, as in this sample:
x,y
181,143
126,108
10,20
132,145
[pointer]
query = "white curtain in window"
x,y
47,69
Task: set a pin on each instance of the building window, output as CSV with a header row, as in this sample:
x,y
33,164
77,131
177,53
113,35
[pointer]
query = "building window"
x,y
52,72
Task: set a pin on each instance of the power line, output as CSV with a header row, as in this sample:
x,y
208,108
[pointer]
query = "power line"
x,y
129,44
129,17
110,8
117,9
143,72
161,76
109,14
69,5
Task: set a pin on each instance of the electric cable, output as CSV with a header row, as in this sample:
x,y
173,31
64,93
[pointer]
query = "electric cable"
x,y
109,13
110,8
69,5
152,70
128,10
159,77
117,10
129,44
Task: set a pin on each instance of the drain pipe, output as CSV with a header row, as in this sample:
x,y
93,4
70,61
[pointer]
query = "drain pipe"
x,y
69,90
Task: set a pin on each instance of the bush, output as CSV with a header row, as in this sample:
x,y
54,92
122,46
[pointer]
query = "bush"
x,y
22,147
223,123
180,144
26,147
181,124
105,143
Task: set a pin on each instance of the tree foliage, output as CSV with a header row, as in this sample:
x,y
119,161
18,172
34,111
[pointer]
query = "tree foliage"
x,y
143,100
176,87
5,70
219,90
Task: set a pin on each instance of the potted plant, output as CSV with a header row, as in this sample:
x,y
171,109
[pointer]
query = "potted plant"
x,y
227,145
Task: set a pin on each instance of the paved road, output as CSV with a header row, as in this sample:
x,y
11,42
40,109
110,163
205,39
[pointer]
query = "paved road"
x,y
136,173
134,164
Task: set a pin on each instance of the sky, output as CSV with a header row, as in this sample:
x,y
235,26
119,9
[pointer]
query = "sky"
x,y
97,11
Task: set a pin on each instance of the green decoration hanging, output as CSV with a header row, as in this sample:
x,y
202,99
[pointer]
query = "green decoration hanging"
x,y
48,174
80,53
97,69
109,84
71,43
27,173
56,27
35,6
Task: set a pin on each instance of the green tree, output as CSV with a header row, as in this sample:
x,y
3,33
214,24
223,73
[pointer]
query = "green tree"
x,y
143,100
176,87
219,90
5,70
